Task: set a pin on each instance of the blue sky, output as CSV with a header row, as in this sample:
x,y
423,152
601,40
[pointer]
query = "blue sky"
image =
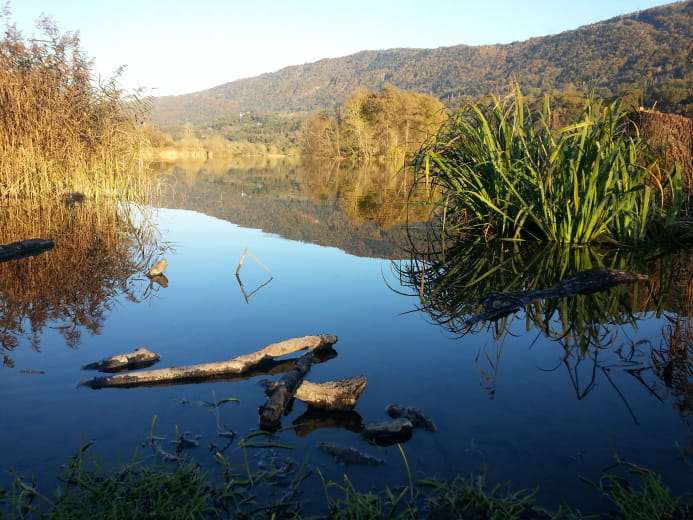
x,y
177,47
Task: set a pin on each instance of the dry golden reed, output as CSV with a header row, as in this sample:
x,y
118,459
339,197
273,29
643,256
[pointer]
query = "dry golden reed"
x,y
59,131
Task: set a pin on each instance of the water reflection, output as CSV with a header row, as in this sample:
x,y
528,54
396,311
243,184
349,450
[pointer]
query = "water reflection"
x,y
99,251
361,210
454,284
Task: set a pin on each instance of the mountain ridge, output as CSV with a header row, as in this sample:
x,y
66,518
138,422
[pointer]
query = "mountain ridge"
x,y
647,49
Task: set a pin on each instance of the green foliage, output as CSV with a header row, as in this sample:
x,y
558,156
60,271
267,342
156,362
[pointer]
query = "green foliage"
x,y
503,171
132,491
357,505
179,490
469,498
640,494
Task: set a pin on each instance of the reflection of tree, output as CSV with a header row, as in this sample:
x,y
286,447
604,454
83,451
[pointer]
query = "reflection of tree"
x,y
70,288
451,280
366,193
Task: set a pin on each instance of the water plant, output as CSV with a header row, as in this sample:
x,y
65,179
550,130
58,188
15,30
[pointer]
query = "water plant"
x,y
503,171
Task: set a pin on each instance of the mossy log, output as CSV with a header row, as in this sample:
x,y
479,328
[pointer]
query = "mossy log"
x,y
237,365
25,248
281,393
139,358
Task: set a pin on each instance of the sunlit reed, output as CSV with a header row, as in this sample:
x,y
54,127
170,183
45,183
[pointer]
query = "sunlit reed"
x,y
60,132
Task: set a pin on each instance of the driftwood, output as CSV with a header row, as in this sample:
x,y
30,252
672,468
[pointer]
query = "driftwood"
x,y
235,366
281,393
500,304
334,395
139,358
25,248
158,268
269,367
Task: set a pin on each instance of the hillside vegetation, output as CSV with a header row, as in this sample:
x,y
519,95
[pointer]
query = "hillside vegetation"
x,y
647,54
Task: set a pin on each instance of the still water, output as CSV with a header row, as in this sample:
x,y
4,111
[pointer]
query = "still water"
x,y
515,404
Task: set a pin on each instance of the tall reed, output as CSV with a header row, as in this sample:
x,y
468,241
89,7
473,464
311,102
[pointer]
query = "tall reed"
x,y
505,172
60,132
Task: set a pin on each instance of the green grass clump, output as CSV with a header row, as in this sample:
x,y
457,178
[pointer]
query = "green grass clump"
x,y
132,491
503,171
178,489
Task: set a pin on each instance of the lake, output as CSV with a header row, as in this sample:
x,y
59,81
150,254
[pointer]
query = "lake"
x,y
518,402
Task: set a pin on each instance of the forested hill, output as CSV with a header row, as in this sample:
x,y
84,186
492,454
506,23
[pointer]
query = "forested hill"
x,y
647,51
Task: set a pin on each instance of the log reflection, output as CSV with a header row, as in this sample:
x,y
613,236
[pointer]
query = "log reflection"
x,y
99,250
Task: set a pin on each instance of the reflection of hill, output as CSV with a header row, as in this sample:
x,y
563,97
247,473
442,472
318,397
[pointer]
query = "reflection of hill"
x,y
270,195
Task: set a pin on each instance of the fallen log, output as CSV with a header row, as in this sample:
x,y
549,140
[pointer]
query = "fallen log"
x,y
502,303
139,358
25,248
281,393
237,365
333,395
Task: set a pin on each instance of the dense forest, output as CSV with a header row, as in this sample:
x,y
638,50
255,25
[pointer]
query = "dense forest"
x,y
646,55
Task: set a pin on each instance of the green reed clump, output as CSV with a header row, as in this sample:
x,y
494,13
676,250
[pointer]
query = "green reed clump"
x,y
59,131
504,171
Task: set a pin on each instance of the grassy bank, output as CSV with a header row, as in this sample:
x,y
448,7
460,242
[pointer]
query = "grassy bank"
x,y
178,489
61,131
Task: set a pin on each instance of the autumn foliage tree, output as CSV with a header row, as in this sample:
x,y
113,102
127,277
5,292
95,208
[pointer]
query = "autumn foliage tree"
x,y
387,126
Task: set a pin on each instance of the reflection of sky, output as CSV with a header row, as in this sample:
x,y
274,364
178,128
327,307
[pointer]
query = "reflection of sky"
x,y
533,431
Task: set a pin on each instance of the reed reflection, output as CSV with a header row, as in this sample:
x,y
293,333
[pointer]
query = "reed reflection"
x,y
457,283
100,249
